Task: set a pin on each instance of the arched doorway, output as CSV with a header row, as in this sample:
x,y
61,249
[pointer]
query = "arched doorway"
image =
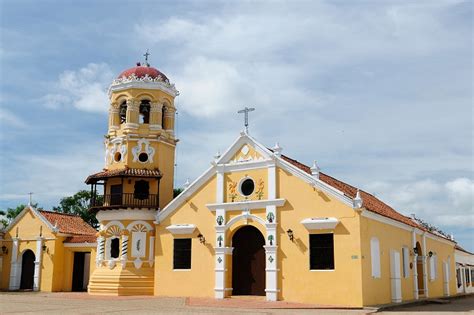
x,y
419,269
27,270
248,262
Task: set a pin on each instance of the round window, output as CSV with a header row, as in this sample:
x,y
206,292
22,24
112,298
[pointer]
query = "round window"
x,y
143,157
247,187
117,157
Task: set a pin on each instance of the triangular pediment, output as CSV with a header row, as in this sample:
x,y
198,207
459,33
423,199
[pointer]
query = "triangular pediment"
x,y
244,149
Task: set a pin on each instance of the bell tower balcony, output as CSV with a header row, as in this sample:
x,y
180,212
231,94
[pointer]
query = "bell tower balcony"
x,y
125,188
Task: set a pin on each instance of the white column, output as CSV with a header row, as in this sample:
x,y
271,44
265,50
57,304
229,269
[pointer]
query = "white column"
x,y
38,259
220,241
14,270
151,251
123,256
100,250
220,271
271,269
425,266
415,271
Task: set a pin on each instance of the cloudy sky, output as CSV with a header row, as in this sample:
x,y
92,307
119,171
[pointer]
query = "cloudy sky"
x,y
380,93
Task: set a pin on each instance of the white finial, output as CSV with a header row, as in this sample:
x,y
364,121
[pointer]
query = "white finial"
x,y
186,184
30,200
217,155
358,200
277,149
315,170
451,236
55,227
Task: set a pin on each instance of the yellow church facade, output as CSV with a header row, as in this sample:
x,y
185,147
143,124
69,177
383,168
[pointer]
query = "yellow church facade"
x,y
256,222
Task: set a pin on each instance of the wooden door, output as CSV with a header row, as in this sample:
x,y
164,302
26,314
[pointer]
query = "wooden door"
x,y
27,270
78,272
115,195
248,262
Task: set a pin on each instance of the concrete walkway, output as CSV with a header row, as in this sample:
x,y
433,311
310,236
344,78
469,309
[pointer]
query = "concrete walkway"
x,y
82,303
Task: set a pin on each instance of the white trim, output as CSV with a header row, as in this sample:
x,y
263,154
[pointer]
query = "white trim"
x,y
248,204
143,85
247,165
240,186
112,223
123,214
320,223
37,214
181,229
146,224
244,217
73,245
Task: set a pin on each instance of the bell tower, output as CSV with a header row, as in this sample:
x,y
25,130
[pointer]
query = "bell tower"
x,y
137,180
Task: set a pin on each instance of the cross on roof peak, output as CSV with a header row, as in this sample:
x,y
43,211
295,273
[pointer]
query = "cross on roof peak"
x,y
246,112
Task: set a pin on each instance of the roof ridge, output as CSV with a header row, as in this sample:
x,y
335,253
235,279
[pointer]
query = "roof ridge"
x,y
60,213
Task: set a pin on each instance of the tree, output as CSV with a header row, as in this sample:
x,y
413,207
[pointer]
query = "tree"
x,y
177,191
11,213
78,204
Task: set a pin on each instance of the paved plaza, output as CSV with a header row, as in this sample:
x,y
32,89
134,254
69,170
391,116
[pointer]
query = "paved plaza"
x,y
82,303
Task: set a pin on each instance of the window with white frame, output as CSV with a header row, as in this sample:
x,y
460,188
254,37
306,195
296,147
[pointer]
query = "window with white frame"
x,y
375,257
406,263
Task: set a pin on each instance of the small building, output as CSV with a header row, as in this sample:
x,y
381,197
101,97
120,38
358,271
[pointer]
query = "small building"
x,y
47,251
464,270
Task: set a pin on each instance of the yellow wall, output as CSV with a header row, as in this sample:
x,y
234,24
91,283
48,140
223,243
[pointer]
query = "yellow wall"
x,y
199,281
56,266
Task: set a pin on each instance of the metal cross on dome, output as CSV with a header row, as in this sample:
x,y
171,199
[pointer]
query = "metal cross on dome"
x,y
146,56
246,112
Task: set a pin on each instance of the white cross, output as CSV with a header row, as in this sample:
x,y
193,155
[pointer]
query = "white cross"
x,y
246,111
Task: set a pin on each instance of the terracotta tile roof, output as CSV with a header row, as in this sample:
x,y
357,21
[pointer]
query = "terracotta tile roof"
x,y
132,172
81,239
68,223
370,202
462,249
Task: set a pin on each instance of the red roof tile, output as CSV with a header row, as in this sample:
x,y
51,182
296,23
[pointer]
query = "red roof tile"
x,y
141,71
132,172
370,202
68,223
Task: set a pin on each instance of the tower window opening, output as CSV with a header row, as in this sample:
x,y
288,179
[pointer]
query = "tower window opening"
x,y
163,120
144,117
123,112
143,157
142,190
114,248
118,157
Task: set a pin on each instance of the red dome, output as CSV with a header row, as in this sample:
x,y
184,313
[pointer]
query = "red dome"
x,y
141,71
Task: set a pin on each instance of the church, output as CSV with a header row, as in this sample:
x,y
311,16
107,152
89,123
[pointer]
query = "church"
x,y
255,223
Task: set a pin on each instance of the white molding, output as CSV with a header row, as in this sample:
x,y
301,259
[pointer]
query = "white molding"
x,y
247,165
112,223
36,213
244,217
162,86
180,229
74,245
146,224
249,204
124,214
320,223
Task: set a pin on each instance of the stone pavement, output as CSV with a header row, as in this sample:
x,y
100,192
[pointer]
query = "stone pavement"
x,y
82,303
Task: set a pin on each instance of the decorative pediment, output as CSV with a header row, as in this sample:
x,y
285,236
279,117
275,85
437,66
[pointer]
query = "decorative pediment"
x,y
320,223
247,153
180,229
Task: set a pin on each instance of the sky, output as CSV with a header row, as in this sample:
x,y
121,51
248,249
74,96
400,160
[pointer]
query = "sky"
x,y
380,93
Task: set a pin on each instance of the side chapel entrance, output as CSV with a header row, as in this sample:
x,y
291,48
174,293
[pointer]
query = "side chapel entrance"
x,y
248,262
80,271
27,270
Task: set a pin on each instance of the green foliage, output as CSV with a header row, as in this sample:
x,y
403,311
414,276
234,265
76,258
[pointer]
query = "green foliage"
x,y
78,204
10,214
177,191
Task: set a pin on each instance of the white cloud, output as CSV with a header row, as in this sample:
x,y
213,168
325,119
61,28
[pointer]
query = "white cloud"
x,y
447,204
8,118
85,89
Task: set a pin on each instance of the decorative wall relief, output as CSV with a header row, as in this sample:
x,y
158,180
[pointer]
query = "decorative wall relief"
x,y
220,220
232,190
112,148
260,187
143,146
270,217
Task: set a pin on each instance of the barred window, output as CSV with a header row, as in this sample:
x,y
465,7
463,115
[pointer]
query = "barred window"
x,y
321,251
182,253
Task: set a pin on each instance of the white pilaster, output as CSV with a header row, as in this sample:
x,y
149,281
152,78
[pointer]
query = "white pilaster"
x,y
271,270
425,265
38,259
220,270
415,271
14,270
151,250
100,250
446,278
124,254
